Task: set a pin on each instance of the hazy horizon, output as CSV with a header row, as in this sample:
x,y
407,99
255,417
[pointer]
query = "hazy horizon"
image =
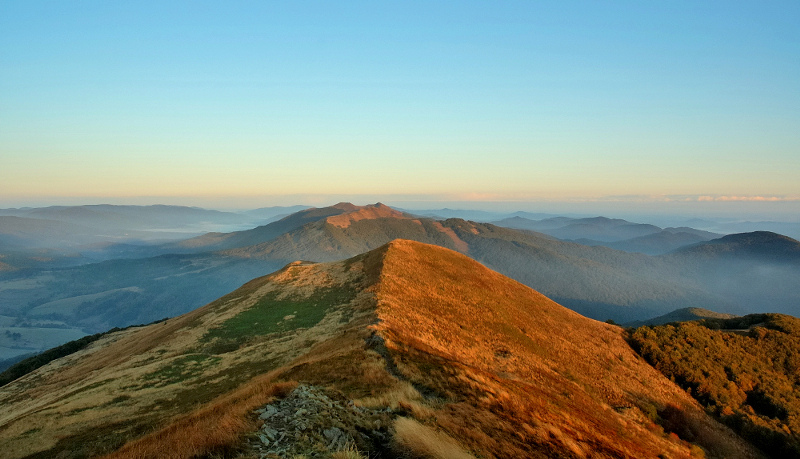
x,y
665,211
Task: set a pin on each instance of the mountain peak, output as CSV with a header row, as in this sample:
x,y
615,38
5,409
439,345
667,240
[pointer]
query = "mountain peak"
x,y
367,212
345,206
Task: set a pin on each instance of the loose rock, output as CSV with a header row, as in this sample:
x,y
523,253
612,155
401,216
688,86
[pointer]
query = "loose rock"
x,y
315,423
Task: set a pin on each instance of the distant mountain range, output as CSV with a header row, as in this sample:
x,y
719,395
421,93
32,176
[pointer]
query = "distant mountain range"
x,y
614,233
121,219
60,236
725,275
409,350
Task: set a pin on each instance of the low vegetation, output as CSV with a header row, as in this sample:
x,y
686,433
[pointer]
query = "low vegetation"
x,y
746,371
214,430
276,313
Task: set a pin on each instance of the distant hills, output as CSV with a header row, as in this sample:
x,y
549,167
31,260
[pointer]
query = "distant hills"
x,y
73,235
758,245
596,281
115,219
410,350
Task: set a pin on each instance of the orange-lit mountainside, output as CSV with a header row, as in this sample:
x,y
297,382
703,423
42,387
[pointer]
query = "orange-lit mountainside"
x,y
409,350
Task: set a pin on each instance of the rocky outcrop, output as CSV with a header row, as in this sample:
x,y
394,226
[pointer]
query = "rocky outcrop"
x,y
315,423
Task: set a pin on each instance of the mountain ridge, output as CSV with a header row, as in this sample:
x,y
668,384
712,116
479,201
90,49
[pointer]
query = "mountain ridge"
x,y
421,333
595,281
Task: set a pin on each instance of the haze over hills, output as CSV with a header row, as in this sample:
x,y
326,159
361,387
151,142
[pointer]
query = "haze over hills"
x,y
614,233
603,283
436,350
120,219
595,281
61,236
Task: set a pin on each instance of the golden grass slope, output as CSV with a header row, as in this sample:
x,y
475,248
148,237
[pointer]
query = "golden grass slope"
x,y
467,361
521,375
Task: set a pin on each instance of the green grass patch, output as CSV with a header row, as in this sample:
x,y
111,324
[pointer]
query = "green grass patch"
x,y
180,369
205,389
273,315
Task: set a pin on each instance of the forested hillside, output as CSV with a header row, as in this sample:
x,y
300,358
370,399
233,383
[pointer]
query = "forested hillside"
x,y
745,370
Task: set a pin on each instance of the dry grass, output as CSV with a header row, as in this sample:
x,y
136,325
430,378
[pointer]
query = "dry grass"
x,y
419,441
465,351
349,452
502,355
218,426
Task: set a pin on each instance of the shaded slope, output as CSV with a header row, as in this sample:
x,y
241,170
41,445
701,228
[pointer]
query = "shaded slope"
x,y
426,336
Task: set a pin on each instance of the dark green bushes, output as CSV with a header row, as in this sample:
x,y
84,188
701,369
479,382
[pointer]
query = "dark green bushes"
x,y
743,370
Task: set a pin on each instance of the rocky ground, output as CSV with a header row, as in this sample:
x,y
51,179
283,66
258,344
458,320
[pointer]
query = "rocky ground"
x,y
314,423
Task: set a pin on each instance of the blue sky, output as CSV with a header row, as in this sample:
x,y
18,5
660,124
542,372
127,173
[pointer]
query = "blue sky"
x,y
258,103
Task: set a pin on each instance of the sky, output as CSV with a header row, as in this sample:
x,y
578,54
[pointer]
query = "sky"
x,y
249,104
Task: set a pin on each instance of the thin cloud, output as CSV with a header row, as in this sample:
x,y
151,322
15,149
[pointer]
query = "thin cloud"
x,y
748,198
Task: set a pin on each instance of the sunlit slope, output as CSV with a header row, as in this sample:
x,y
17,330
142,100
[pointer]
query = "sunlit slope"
x,y
522,374
426,337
